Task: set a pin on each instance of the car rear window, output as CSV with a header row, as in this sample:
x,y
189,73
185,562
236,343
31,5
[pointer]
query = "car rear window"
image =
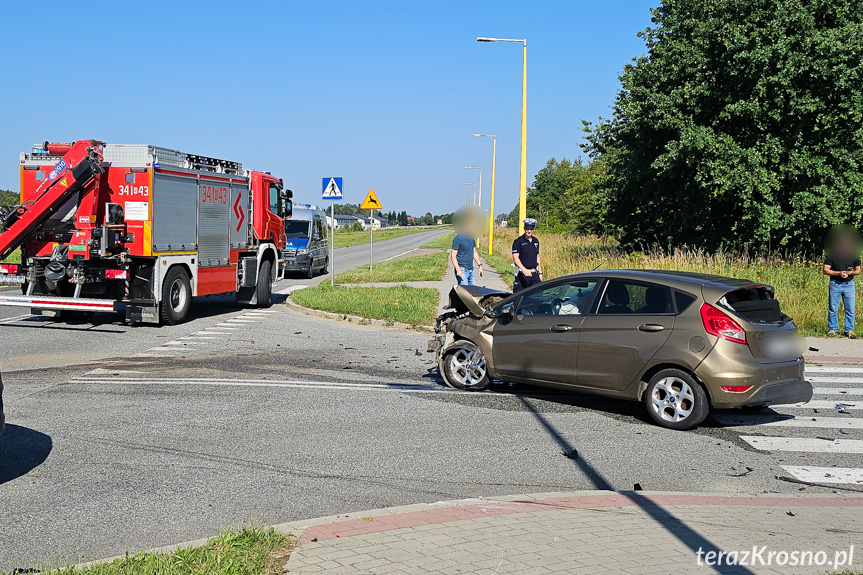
x,y
754,303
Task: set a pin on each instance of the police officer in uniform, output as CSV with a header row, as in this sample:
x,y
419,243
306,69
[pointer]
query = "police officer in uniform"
x,y
525,255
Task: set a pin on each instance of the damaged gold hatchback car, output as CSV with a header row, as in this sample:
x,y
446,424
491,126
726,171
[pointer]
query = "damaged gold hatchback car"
x,y
681,343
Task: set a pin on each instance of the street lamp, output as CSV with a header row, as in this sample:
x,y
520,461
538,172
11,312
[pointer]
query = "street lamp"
x,y
491,206
522,192
473,203
479,203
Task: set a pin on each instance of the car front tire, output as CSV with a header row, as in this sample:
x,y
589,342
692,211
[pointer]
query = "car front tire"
x,y
675,400
464,367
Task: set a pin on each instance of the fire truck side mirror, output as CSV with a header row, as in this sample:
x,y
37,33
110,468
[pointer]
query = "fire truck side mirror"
x,y
289,204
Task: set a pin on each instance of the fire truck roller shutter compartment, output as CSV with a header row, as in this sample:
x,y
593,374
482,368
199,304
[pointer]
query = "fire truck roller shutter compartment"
x,y
174,213
213,206
239,211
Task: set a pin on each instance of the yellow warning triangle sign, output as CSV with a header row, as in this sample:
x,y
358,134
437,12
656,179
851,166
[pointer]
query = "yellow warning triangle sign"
x,y
63,182
371,202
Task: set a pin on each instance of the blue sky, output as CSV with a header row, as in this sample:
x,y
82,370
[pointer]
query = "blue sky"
x,y
384,94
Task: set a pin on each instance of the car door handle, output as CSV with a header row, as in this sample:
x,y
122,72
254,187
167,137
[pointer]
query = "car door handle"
x,y
650,327
561,327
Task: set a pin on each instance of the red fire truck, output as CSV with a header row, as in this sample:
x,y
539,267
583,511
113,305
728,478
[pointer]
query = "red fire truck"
x,y
103,227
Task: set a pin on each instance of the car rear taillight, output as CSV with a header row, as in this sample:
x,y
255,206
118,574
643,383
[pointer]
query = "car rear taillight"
x,y
718,323
9,268
736,388
115,274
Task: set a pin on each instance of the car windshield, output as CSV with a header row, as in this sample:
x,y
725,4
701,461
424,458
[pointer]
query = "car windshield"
x,y
297,229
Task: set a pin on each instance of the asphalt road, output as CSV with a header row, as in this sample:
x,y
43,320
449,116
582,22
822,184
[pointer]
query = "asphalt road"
x,y
274,415
29,342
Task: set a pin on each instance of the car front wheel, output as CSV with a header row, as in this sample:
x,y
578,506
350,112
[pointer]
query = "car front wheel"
x,y
675,400
465,368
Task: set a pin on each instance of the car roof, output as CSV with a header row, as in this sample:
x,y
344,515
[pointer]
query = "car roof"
x,y
305,214
675,278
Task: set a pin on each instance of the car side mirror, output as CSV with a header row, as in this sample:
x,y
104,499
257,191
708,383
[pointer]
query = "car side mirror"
x,y
506,311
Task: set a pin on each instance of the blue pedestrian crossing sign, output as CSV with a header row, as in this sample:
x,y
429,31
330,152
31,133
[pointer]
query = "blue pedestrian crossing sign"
x,y
331,189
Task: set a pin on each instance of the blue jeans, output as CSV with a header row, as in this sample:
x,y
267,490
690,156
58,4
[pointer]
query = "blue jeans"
x,y
466,277
844,291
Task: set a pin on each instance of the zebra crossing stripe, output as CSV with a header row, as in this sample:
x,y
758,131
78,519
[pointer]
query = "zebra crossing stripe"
x,y
825,474
855,380
768,420
822,404
848,391
829,369
804,444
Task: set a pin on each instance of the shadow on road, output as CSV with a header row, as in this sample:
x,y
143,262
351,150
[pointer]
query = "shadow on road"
x,y
674,526
21,450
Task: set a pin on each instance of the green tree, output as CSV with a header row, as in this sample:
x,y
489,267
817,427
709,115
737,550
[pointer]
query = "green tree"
x,y
741,124
8,198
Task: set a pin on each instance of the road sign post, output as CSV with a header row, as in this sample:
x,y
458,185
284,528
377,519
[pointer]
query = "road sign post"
x,y
331,189
371,203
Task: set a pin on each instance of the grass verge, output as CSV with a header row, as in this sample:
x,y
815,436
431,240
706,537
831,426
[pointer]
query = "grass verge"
x,y
348,239
249,551
425,268
443,242
801,288
413,306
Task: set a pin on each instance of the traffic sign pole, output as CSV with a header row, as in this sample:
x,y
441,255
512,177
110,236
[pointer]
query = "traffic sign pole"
x,y
332,242
331,189
371,203
371,240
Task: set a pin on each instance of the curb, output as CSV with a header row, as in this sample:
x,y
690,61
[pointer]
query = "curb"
x,y
359,320
518,503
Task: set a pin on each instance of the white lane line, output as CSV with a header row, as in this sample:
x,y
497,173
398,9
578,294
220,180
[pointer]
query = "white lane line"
x,y
212,333
766,420
264,311
164,349
16,318
289,290
186,343
822,404
835,379
188,337
344,386
847,391
826,474
226,326
399,255
238,320
103,371
805,444
829,369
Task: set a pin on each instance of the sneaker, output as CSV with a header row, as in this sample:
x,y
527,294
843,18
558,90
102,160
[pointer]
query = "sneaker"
x,y
831,333
851,335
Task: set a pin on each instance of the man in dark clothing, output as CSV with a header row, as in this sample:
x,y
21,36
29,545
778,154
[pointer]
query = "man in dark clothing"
x,y
525,255
841,264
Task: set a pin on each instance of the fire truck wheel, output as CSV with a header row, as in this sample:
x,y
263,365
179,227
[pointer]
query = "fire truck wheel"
x,y
176,296
265,286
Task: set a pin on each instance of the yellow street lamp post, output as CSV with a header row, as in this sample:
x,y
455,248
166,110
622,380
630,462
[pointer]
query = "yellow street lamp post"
x,y
522,192
491,204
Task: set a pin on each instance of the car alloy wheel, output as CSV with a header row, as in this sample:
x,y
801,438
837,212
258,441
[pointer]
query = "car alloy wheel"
x,y
465,368
675,400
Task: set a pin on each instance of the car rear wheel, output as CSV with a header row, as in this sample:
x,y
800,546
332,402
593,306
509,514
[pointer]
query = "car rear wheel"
x,y
464,367
675,400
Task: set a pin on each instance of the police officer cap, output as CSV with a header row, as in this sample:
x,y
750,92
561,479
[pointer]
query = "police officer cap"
x,y
530,222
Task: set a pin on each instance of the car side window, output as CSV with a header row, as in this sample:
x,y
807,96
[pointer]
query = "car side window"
x,y
625,297
683,300
570,298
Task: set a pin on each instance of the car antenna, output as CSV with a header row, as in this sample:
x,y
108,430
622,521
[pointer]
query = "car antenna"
x,y
599,265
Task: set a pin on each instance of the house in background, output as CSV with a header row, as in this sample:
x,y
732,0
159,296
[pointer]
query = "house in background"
x,y
343,221
376,222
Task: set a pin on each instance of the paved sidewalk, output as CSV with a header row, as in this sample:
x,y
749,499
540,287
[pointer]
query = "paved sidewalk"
x,y
580,532
833,350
